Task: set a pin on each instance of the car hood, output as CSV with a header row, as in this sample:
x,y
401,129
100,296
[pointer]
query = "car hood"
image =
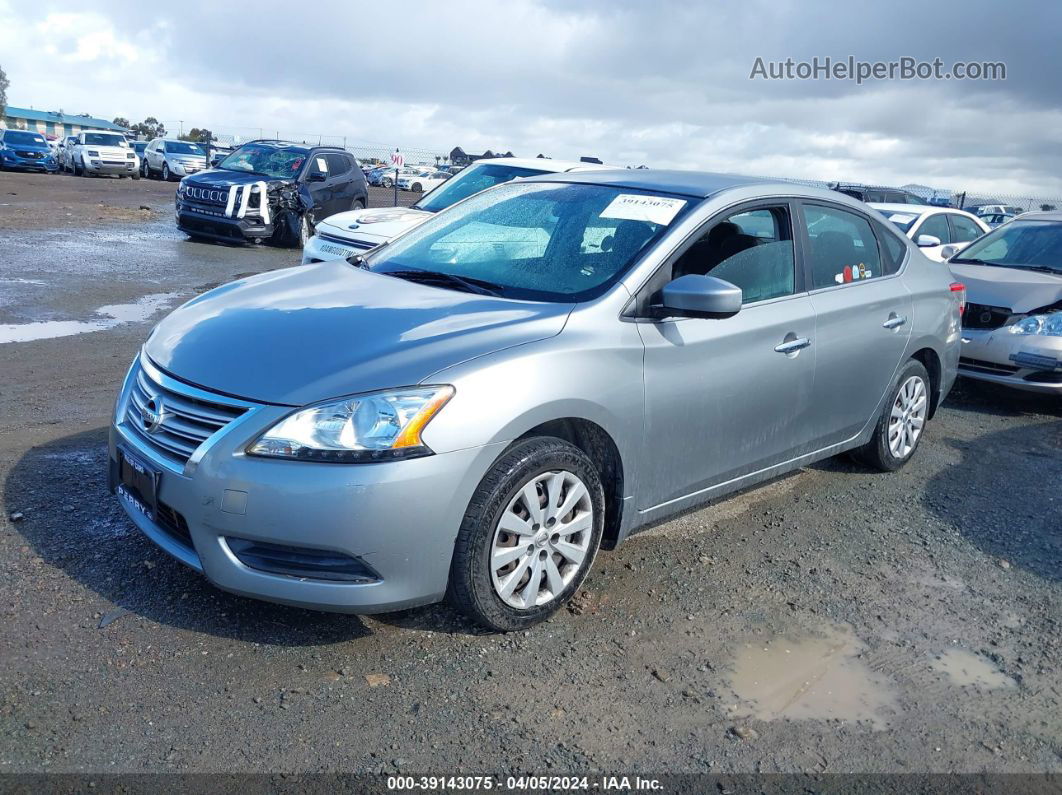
x,y
315,332
376,226
1020,290
224,178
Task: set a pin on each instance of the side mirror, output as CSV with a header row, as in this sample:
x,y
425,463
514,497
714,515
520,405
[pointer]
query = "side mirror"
x,y
700,296
949,251
316,176
927,241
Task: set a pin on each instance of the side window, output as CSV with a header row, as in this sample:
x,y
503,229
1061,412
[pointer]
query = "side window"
x,y
963,230
319,165
843,247
337,164
892,249
935,225
752,249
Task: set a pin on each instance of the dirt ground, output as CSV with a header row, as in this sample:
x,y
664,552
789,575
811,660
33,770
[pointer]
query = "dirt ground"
x,y
837,620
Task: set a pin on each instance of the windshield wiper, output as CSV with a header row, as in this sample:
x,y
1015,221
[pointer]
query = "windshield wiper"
x,y
1039,269
466,283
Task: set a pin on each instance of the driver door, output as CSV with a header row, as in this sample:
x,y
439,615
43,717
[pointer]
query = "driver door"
x,y
728,397
319,186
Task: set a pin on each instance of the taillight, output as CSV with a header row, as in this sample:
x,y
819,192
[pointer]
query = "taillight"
x,y
960,288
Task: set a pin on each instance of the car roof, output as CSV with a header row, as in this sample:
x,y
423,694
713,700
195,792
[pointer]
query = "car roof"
x,y
1039,215
700,184
545,164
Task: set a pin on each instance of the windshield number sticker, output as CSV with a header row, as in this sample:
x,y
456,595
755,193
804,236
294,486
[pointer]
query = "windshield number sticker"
x,y
636,207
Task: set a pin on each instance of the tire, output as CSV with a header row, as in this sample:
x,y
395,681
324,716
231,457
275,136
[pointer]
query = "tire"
x,y
165,172
386,182
902,423
358,204
78,170
416,187
136,174
476,587
305,230
145,169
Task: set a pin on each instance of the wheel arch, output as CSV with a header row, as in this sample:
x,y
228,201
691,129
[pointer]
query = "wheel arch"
x,y
602,450
930,359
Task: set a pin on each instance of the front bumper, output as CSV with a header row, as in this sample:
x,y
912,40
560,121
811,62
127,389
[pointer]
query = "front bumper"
x,y
105,167
324,247
1030,362
211,221
400,518
12,160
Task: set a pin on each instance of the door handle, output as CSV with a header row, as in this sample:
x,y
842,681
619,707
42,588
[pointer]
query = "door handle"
x,y
792,346
894,321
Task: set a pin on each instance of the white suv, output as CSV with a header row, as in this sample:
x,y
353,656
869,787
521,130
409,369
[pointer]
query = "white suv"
x,y
344,234
100,153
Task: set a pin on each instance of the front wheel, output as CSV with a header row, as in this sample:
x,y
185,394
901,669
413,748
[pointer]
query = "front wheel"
x,y
166,172
899,429
529,536
305,230
386,182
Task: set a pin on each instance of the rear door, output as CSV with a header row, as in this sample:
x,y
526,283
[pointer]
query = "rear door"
x,y
344,184
863,318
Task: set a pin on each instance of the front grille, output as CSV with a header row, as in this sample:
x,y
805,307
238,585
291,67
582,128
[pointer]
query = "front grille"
x,y
989,368
186,422
29,155
984,316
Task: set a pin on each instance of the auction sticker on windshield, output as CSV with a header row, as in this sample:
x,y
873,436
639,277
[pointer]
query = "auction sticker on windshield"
x,y
635,207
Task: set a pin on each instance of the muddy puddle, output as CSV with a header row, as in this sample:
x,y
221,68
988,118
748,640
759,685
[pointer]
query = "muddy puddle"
x,y
811,678
104,318
963,667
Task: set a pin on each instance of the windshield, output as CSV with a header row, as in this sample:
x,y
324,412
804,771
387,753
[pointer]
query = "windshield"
x,y
536,241
105,139
23,138
472,180
184,148
281,162
1019,244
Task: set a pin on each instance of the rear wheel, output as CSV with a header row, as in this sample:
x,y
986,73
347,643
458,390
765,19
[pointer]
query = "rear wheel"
x,y
417,187
899,429
358,204
386,182
529,536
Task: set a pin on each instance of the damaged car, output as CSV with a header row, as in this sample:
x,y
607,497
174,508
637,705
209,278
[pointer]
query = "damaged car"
x,y
1012,325
270,191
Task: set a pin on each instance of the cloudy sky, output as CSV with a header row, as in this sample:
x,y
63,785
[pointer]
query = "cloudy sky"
x,y
662,83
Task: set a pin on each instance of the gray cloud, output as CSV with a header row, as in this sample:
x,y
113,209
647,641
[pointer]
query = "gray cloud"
x,y
665,83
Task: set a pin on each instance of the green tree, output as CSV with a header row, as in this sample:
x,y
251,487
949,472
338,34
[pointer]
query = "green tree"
x,y
4,83
199,136
149,128
123,122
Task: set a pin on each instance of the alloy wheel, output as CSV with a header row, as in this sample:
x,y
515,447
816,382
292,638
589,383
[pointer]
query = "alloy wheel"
x,y
541,539
908,417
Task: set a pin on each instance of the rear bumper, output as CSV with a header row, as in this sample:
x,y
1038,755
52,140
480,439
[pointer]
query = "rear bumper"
x,y
1029,362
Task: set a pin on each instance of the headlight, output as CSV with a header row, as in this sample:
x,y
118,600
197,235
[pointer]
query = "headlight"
x,y
381,426
130,155
1049,325
93,153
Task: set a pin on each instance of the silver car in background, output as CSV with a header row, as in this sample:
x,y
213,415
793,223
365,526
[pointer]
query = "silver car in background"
x,y
542,369
1012,327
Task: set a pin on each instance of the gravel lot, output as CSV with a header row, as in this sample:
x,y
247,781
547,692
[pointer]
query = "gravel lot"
x,y
836,620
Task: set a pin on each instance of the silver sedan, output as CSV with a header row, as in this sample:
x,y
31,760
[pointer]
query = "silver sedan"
x,y
543,369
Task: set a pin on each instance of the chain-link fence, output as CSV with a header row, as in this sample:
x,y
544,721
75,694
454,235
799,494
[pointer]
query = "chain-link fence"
x,y
377,153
